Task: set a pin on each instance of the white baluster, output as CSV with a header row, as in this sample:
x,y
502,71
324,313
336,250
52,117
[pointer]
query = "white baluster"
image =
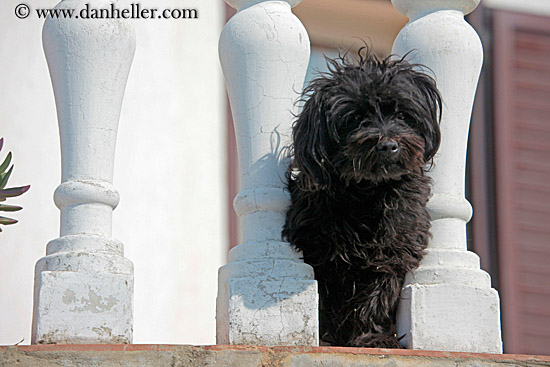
x,y
84,285
448,303
266,294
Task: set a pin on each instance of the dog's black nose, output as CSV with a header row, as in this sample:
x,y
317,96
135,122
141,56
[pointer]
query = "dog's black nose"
x,y
388,147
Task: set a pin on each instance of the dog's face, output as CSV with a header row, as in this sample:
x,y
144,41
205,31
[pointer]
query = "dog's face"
x,y
374,120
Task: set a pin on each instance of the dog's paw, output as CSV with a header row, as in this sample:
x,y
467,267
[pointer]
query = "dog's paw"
x,y
378,341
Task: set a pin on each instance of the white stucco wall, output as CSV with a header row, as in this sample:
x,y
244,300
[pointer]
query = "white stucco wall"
x,y
169,170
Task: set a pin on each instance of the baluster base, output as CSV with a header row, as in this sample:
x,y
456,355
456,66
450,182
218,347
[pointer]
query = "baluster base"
x,y
267,312
450,318
266,296
83,303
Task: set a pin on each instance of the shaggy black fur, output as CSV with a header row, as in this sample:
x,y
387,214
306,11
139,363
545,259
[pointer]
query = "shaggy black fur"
x,y
361,145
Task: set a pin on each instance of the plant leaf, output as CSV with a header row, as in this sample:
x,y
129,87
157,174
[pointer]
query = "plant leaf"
x,y
7,221
6,163
1,143
9,208
4,177
13,191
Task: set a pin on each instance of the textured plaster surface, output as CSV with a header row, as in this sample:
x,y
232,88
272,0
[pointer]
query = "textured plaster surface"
x,y
244,356
73,308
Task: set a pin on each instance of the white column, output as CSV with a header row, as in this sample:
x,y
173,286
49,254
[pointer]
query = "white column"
x,y
84,285
448,303
266,294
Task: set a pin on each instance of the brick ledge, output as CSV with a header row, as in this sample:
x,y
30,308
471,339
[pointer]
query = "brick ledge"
x,y
160,355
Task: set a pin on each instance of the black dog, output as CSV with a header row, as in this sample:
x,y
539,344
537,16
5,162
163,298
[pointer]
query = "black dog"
x,y
361,145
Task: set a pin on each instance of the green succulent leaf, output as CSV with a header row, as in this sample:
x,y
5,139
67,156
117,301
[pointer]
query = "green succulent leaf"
x,y
13,192
9,208
4,177
7,221
5,173
6,163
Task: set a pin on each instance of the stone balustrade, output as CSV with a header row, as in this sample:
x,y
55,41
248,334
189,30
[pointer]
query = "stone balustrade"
x,y
266,294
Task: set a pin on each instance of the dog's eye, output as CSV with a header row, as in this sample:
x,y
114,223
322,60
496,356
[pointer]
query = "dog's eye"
x,y
400,116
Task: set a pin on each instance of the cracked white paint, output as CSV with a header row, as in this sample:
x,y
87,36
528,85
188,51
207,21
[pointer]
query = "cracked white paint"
x,y
84,285
448,303
266,294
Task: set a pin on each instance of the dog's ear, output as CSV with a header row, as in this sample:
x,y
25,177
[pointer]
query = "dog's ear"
x,y
431,104
313,140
